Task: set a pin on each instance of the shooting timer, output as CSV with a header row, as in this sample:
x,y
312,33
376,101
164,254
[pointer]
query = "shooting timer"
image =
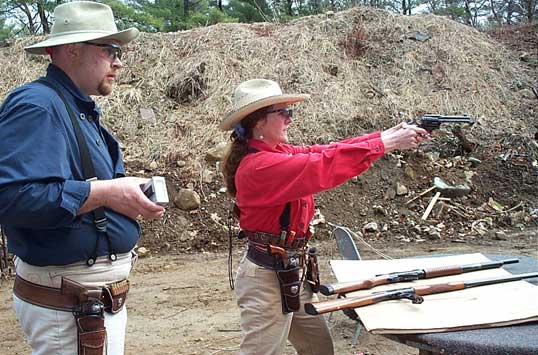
x,y
155,190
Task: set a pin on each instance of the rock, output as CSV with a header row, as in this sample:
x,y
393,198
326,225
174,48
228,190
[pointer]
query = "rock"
x,y
390,194
331,69
433,156
525,57
379,210
500,235
187,200
207,176
433,234
409,172
474,161
450,191
153,165
223,190
142,252
183,222
180,163
517,217
419,36
495,205
147,114
370,227
401,189
469,177
216,153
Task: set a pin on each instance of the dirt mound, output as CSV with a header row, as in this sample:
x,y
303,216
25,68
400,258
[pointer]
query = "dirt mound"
x,y
523,38
365,70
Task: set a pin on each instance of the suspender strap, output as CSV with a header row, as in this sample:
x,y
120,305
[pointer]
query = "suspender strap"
x,y
285,218
88,170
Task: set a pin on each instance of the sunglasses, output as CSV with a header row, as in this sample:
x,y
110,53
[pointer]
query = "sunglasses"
x,y
113,50
286,112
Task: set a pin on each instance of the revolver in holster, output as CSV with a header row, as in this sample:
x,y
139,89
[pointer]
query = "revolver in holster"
x,y
89,317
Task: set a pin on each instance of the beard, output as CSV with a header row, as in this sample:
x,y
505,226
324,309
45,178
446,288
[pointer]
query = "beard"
x,y
105,87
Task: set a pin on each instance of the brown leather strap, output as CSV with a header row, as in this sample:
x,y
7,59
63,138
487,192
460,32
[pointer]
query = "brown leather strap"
x,y
264,259
52,298
273,239
43,296
262,238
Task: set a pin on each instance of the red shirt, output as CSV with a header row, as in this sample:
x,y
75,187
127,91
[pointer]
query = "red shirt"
x,y
271,177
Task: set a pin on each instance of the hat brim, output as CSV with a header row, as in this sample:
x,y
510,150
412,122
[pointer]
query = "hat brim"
x,y
234,117
123,37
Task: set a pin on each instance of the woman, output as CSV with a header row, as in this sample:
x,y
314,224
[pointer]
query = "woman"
x,y
274,183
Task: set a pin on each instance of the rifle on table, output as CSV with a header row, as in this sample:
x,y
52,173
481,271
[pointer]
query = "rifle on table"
x,y
412,293
411,275
432,122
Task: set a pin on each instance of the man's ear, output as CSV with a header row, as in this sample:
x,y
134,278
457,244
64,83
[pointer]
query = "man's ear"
x,y
73,51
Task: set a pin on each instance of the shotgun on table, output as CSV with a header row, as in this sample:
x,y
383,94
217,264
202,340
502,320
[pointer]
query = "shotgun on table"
x,y
411,275
412,293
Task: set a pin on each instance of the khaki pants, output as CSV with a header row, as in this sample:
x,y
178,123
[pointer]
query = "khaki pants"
x,y
50,331
265,328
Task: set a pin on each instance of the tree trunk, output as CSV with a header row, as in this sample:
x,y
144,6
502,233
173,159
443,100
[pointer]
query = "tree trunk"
x,y
289,9
495,14
404,7
468,14
43,18
186,8
531,5
31,24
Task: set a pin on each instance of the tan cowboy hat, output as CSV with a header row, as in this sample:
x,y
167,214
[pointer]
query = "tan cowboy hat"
x,y
254,94
82,21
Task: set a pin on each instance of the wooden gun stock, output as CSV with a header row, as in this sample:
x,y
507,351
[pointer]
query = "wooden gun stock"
x,y
345,287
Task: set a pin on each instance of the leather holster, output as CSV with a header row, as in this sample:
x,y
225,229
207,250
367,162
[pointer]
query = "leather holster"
x,y
290,288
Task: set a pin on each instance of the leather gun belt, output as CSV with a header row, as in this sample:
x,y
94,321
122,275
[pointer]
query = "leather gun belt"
x,y
112,296
274,239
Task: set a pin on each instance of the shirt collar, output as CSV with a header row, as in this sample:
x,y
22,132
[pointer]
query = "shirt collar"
x,y
58,75
262,146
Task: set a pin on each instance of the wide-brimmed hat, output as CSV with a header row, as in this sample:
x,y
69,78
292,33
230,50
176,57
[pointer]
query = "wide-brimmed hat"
x,y
253,95
82,21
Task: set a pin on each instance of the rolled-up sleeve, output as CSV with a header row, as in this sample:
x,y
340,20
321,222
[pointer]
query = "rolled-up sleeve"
x,y
37,187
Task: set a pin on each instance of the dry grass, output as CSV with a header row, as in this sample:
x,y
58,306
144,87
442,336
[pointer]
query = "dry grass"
x,y
458,70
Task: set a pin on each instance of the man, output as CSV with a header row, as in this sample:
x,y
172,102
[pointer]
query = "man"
x,y
65,205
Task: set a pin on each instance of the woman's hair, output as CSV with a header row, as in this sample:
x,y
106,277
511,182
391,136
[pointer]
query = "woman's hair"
x,y
239,147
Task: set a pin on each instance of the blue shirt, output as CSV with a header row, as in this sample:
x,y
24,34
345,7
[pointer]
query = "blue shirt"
x,y
41,181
